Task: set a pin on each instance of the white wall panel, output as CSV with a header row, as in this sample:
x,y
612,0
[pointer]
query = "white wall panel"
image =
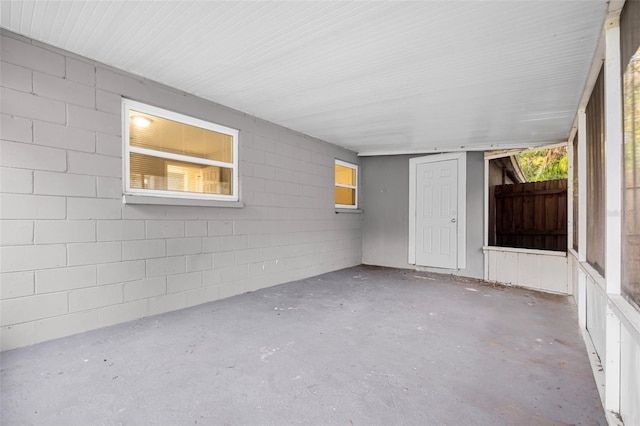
x,y
630,376
534,269
596,316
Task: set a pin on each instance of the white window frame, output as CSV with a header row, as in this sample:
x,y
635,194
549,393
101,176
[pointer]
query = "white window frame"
x,y
341,185
127,106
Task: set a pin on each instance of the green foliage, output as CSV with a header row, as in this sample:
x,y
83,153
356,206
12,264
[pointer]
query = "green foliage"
x,y
544,164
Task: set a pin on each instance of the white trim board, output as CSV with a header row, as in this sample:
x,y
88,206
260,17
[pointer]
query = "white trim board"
x,y
462,203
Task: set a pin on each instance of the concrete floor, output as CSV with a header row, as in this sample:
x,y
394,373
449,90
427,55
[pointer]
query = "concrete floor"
x,y
361,346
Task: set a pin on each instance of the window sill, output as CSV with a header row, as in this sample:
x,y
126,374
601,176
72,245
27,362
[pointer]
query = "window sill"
x,y
352,211
167,201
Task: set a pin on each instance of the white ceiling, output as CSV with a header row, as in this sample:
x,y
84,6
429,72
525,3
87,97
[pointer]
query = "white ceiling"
x,y
376,77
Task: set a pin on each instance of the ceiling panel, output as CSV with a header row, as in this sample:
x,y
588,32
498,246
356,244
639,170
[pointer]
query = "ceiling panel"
x,y
370,76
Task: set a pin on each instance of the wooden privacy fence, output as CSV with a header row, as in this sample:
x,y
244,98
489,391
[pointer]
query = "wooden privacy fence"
x,y
530,215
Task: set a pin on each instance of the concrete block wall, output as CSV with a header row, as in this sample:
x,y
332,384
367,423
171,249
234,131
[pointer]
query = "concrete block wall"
x,y
74,257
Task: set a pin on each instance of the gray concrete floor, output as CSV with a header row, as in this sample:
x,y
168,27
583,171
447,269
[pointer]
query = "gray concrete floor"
x,y
361,346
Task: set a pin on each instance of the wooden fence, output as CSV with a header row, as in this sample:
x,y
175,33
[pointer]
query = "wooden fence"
x,y
529,215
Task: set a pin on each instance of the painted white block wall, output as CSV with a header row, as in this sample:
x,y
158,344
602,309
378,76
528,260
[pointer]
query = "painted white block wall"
x,y
74,258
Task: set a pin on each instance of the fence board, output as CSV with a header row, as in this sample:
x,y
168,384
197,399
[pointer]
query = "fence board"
x,y
531,215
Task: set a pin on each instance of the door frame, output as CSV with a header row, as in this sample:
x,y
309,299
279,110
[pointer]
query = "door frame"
x,y
461,157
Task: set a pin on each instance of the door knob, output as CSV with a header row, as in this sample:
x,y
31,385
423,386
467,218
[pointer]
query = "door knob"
x,y
453,220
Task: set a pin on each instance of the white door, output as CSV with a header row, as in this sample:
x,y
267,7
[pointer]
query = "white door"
x,y
437,214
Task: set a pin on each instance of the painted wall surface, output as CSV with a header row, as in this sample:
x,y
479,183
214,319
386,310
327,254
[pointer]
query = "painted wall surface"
x,y
74,258
386,213
535,269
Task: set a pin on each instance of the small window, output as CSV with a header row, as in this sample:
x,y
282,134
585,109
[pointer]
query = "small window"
x,y
346,185
172,155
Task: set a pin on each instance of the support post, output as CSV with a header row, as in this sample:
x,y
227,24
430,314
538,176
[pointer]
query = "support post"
x,y
570,196
613,203
486,219
582,186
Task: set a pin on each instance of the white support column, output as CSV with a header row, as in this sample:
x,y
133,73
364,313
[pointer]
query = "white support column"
x,y
570,196
613,158
486,218
570,270
582,186
613,203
